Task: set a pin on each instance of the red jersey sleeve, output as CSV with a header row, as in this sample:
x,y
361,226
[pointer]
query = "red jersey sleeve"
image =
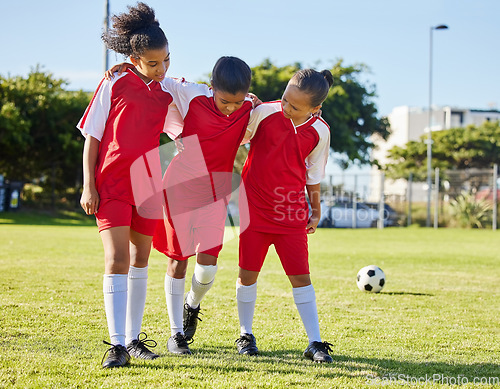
x,y
93,121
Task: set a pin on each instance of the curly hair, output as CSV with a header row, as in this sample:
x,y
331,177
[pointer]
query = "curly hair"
x,y
135,32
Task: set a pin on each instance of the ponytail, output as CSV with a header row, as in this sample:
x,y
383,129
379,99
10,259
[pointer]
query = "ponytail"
x,y
315,84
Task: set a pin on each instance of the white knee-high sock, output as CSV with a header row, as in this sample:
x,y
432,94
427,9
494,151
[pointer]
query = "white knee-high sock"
x,y
136,301
114,287
202,281
174,294
305,300
246,297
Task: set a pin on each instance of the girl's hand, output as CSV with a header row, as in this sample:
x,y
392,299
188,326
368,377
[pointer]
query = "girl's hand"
x,y
89,200
120,68
178,144
255,100
312,224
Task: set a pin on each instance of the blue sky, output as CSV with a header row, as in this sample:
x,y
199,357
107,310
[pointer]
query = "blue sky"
x,y
390,36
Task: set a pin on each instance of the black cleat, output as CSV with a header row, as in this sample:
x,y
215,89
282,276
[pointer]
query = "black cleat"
x,y
177,344
246,345
117,356
318,352
190,321
137,348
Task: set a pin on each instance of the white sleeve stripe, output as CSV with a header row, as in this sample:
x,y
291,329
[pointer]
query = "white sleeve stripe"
x,y
259,114
94,119
317,159
184,92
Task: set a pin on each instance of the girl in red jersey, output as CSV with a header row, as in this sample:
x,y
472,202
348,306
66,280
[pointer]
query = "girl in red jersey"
x,y
123,121
289,148
197,187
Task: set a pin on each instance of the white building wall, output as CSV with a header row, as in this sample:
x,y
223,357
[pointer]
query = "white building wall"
x,y
409,124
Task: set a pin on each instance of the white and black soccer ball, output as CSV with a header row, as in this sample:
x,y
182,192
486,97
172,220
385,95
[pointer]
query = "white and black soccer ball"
x,y
370,279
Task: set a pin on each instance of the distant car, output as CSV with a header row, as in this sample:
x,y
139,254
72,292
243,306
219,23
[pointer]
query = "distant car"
x,y
391,217
341,215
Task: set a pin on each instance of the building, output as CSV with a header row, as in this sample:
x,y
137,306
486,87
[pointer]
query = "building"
x,y
409,124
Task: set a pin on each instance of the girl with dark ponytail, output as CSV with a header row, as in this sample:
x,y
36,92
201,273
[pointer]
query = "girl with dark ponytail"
x,y
123,121
289,147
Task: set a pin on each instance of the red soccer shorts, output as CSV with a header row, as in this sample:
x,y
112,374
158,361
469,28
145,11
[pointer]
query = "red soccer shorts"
x,y
116,213
193,231
291,248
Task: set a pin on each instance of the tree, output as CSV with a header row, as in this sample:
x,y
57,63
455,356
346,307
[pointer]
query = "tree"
x,y
348,109
38,138
456,148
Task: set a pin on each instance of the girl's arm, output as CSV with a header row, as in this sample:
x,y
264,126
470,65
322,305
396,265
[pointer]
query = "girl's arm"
x,y
313,191
90,198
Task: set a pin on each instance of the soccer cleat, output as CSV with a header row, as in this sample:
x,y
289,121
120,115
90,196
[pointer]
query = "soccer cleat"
x,y
116,356
318,352
137,348
177,344
190,321
246,345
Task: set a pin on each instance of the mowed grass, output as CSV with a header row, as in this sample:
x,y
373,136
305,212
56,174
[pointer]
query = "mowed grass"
x,y
436,319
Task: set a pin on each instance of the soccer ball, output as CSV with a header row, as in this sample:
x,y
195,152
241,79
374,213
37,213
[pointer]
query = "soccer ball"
x,y
371,279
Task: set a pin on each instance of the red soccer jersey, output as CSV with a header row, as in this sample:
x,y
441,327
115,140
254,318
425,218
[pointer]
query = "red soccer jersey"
x,y
283,158
200,175
127,116
219,135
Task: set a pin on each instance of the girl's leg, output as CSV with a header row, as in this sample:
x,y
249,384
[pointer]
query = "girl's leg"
x,y
246,296
203,279
117,260
253,249
305,300
140,248
175,279
201,282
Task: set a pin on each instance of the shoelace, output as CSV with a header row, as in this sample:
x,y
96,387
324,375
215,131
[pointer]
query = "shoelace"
x,y
144,342
112,349
243,341
180,340
191,314
324,346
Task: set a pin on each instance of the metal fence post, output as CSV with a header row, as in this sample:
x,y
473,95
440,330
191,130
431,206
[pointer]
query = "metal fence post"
x,y
436,198
495,196
381,207
410,181
355,203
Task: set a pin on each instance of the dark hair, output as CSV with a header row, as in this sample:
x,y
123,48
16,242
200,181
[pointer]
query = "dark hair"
x,y
314,83
232,75
135,32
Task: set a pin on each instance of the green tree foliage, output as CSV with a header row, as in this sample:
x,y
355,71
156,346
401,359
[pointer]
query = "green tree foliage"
x,y
349,108
456,148
38,138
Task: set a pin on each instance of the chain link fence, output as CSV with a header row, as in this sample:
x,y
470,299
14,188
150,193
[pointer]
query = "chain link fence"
x,y
459,198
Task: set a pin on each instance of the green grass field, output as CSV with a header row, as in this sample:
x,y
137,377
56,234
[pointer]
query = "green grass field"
x,y
436,319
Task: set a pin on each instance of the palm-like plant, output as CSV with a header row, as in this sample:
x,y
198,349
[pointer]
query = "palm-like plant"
x,y
469,212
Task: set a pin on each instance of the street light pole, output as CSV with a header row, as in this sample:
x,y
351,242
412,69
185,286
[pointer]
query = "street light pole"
x,y
105,31
429,134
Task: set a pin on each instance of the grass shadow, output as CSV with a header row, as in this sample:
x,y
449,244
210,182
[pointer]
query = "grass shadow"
x,y
408,293
46,218
374,370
